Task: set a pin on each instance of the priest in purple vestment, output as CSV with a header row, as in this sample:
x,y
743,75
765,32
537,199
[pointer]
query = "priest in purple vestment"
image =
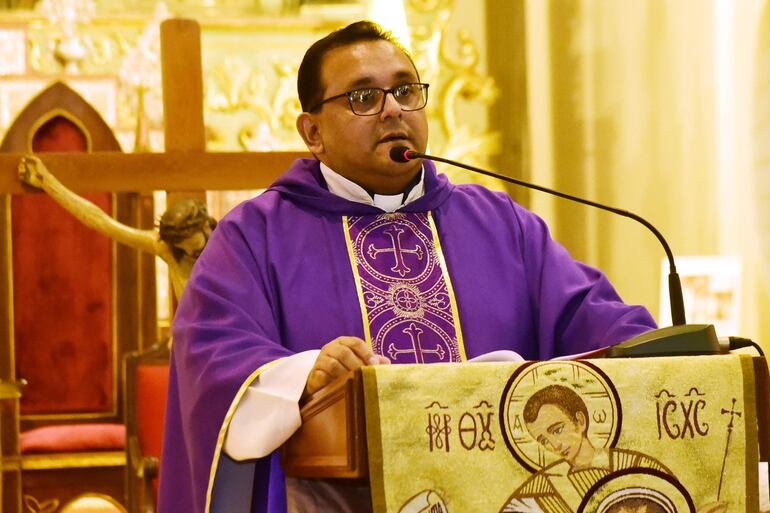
x,y
352,259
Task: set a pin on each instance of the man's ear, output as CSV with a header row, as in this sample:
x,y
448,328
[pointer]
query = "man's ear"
x,y
581,420
310,132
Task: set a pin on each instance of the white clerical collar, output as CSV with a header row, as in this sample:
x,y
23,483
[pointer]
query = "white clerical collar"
x,y
344,188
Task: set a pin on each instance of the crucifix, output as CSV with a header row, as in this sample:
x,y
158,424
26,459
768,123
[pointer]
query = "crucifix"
x,y
188,171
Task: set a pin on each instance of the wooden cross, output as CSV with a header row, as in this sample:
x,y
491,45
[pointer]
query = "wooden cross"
x,y
185,169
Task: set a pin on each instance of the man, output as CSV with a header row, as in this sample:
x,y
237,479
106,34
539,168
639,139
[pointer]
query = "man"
x,y
350,260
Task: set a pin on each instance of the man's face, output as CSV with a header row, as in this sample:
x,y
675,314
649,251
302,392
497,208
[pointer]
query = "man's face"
x,y
194,244
556,431
358,147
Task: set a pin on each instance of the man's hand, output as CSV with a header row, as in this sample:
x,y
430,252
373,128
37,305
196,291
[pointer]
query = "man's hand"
x,y
338,357
32,171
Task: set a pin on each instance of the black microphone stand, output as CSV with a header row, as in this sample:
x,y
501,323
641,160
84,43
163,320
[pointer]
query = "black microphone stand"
x,y
679,339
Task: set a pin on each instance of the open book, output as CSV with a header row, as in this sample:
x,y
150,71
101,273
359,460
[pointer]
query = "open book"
x,y
506,355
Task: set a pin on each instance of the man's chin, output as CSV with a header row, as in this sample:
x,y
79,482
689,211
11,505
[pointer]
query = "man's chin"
x,y
394,177
402,169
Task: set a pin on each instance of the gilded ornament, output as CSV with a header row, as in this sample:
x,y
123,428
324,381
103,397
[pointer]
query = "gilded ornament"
x,y
35,506
236,87
455,79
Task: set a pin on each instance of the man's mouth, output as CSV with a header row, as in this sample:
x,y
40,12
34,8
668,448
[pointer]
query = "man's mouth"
x,y
395,137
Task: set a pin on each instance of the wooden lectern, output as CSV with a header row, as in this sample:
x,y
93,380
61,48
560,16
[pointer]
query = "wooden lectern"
x,y
331,443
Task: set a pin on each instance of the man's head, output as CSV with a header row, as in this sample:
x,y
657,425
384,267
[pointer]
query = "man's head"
x,y
185,227
557,418
362,58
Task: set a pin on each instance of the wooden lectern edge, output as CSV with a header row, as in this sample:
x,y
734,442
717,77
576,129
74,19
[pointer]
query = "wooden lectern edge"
x,y
306,453
762,388
331,443
318,401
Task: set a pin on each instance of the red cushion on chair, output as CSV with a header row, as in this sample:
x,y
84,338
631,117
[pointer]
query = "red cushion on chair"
x,y
151,386
73,438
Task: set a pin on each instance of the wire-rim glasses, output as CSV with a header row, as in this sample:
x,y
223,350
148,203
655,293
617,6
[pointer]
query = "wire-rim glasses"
x,y
370,101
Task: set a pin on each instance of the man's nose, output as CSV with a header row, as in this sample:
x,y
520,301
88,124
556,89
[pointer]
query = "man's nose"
x,y
391,107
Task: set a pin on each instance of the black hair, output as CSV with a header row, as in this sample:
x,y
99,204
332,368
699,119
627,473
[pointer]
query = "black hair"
x,y
309,87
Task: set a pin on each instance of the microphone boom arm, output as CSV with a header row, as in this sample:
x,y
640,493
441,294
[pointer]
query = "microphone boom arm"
x,y
674,284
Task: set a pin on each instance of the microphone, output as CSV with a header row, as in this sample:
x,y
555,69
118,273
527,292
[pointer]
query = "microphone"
x,y
690,339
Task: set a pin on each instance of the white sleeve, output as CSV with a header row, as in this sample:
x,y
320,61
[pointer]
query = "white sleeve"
x,y
268,413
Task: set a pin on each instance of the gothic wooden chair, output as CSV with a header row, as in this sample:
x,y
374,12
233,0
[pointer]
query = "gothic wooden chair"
x,y
74,312
10,467
146,383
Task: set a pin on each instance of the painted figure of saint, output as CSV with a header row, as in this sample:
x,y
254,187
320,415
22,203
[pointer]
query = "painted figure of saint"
x,y
557,418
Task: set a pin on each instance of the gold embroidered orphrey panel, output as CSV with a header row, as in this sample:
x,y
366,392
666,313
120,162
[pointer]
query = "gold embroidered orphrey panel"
x,y
601,436
407,302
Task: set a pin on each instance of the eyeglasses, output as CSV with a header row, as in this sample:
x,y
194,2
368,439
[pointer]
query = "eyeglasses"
x,y
370,101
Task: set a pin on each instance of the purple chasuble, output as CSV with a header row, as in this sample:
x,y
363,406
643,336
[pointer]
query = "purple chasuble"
x,y
457,273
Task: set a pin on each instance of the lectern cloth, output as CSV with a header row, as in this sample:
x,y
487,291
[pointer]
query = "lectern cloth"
x,y
276,278
607,435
